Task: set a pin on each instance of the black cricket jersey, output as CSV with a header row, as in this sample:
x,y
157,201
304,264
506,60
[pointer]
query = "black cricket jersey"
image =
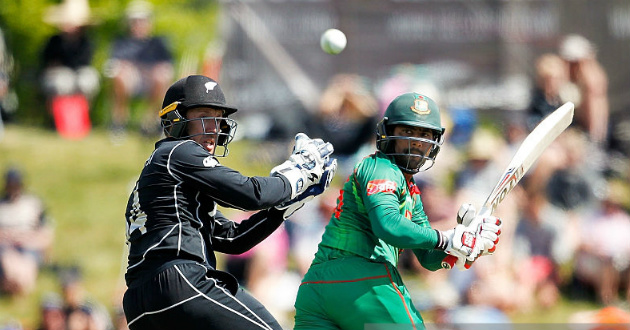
x,y
172,211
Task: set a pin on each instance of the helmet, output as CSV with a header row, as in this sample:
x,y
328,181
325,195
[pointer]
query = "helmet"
x,y
193,92
411,109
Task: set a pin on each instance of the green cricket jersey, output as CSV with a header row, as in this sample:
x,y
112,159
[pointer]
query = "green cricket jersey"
x,y
378,214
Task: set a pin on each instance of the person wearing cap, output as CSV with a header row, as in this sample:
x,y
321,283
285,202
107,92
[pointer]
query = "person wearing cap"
x,y
26,234
591,83
140,65
353,281
51,313
67,55
602,260
174,226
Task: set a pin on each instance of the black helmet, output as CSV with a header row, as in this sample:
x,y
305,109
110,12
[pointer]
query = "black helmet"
x,y
411,109
192,92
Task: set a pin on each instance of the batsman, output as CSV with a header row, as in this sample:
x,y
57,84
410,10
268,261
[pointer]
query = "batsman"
x,y
353,282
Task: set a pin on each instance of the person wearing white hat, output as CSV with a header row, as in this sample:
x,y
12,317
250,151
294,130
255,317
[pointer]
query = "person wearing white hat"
x,y
590,78
67,55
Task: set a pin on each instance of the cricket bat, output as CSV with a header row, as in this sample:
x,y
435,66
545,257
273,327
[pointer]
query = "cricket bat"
x,y
526,155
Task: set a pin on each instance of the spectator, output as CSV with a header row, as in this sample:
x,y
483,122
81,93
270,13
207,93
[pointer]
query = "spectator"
x,y
552,78
347,115
603,257
67,55
25,236
81,312
576,178
140,65
592,110
119,320
52,316
536,269
8,98
480,168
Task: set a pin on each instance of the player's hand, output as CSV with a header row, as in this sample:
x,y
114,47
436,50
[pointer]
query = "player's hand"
x,y
297,203
489,226
461,242
305,166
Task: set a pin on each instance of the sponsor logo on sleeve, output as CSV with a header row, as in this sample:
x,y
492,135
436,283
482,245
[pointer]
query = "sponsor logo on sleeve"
x,y
378,186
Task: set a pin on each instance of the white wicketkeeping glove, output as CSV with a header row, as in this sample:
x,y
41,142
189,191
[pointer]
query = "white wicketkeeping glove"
x,y
295,204
305,166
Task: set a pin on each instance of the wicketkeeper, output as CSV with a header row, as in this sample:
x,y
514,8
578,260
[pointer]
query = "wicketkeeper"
x,y
174,226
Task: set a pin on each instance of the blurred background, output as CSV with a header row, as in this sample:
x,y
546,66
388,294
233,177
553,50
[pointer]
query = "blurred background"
x,y
81,83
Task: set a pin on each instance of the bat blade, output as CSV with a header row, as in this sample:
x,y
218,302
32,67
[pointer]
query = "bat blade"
x,y
529,151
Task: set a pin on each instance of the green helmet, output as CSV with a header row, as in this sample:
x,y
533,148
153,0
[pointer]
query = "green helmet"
x,y
410,109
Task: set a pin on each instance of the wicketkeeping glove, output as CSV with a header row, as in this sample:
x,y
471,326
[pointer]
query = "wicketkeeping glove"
x,y
305,166
295,204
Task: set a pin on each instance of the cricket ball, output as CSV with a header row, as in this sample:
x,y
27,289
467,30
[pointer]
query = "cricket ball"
x,y
333,41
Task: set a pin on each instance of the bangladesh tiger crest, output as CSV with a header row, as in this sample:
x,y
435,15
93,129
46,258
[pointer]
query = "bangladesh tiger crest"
x,y
420,106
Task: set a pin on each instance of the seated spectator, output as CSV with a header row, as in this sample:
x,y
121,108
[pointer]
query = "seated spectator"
x,y
8,97
603,257
67,55
52,316
26,235
81,312
536,269
141,65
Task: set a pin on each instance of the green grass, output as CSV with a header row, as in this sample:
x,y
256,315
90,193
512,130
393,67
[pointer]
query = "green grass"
x,y
85,185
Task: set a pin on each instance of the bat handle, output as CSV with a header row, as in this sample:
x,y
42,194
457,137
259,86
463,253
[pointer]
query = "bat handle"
x,y
449,261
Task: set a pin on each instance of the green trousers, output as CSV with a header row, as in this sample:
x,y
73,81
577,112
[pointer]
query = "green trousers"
x,y
354,293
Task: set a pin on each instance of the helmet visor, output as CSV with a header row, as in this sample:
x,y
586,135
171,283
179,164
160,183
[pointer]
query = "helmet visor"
x,y
213,133
412,154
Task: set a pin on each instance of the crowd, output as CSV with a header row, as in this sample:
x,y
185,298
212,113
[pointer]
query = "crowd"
x,y
566,223
139,68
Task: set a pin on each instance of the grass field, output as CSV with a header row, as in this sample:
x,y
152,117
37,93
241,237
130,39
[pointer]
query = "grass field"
x,y
85,186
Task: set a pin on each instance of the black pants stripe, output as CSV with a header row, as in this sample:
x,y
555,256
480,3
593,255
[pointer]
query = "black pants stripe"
x,y
188,296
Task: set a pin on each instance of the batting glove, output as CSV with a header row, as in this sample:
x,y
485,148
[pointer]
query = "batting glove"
x,y
461,241
489,227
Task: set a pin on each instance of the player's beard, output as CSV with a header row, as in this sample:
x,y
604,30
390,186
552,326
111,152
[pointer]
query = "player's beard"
x,y
410,159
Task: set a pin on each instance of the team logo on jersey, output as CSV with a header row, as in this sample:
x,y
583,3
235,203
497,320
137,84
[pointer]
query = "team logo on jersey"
x,y
420,106
210,161
408,214
377,186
